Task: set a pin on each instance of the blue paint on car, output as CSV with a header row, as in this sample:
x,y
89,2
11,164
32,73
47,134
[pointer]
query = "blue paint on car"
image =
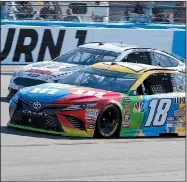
x,y
46,93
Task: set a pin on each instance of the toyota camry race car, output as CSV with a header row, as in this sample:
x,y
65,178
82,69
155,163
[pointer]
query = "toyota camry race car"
x,y
105,100
88,54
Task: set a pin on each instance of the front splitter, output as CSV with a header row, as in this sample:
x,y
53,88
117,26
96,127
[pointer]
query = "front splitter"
x,y
46,131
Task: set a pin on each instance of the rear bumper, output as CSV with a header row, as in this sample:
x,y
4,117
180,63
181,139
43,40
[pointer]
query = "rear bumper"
x,y
45,131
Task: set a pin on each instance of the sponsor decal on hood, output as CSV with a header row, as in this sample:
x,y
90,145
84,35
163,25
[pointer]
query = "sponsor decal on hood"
x,y
43,93
52,68
44,72
52,92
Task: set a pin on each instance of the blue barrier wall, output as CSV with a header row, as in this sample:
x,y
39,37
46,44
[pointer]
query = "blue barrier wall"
x,y
179,43
103,25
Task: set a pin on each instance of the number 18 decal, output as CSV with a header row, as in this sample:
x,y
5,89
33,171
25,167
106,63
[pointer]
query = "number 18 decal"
x,y
161,108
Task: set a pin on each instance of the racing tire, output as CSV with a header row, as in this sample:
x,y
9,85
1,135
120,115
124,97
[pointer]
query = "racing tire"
x,y
108,122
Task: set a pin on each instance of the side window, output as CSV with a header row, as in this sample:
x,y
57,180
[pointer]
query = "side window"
x,y
139,57
174,62
179,82
156,84
162,60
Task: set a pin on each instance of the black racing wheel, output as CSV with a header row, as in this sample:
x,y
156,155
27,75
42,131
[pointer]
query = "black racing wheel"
x,y
108,122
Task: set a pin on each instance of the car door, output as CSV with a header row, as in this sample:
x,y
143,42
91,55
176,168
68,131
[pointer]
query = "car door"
x,y
159,108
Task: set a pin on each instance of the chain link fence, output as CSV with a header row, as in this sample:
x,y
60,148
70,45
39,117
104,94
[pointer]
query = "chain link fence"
x,y
173,12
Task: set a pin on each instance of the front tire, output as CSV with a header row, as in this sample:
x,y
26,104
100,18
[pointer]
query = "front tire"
x,y
108,122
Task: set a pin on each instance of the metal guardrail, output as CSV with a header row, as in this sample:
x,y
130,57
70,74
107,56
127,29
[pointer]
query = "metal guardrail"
x,y
142,12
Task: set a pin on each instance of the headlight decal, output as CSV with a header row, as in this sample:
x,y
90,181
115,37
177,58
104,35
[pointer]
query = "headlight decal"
x,y
81,106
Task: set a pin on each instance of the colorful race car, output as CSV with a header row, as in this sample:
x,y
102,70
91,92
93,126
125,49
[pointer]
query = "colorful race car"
x,y
105,100
88,54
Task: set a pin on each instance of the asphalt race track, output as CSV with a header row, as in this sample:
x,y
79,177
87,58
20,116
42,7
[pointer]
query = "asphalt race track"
x,y
32,156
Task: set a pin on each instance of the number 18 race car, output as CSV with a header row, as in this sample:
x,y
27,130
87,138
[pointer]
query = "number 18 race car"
x,y
105,100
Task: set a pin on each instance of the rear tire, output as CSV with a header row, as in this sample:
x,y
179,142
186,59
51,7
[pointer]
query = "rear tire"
x,y
108,122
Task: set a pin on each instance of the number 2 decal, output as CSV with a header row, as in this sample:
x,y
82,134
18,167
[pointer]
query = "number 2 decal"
x,y
161,107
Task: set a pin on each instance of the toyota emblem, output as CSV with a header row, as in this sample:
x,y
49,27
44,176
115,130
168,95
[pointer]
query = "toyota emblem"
x,y
36,105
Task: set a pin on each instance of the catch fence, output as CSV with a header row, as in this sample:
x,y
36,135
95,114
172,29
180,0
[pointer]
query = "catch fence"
x,y
110,12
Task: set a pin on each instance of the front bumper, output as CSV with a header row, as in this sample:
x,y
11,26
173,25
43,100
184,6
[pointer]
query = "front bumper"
x,y
50,120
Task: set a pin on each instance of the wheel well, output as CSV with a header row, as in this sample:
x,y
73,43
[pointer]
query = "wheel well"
x,y
117,108
117,133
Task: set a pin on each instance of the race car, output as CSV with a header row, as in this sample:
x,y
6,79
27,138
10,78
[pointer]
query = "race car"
x,y
88,54
105,100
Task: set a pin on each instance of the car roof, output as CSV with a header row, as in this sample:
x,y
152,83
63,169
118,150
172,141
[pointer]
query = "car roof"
x,y
120,47
115,47
127,67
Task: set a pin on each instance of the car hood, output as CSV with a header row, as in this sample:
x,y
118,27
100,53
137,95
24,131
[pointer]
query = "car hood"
x,y
50,68
63,93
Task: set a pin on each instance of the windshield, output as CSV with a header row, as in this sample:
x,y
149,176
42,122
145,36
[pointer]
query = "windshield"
x,y
87,56
101,79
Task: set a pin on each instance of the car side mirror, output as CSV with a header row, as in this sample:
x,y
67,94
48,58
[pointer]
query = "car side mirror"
x,y
181,87
124,60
